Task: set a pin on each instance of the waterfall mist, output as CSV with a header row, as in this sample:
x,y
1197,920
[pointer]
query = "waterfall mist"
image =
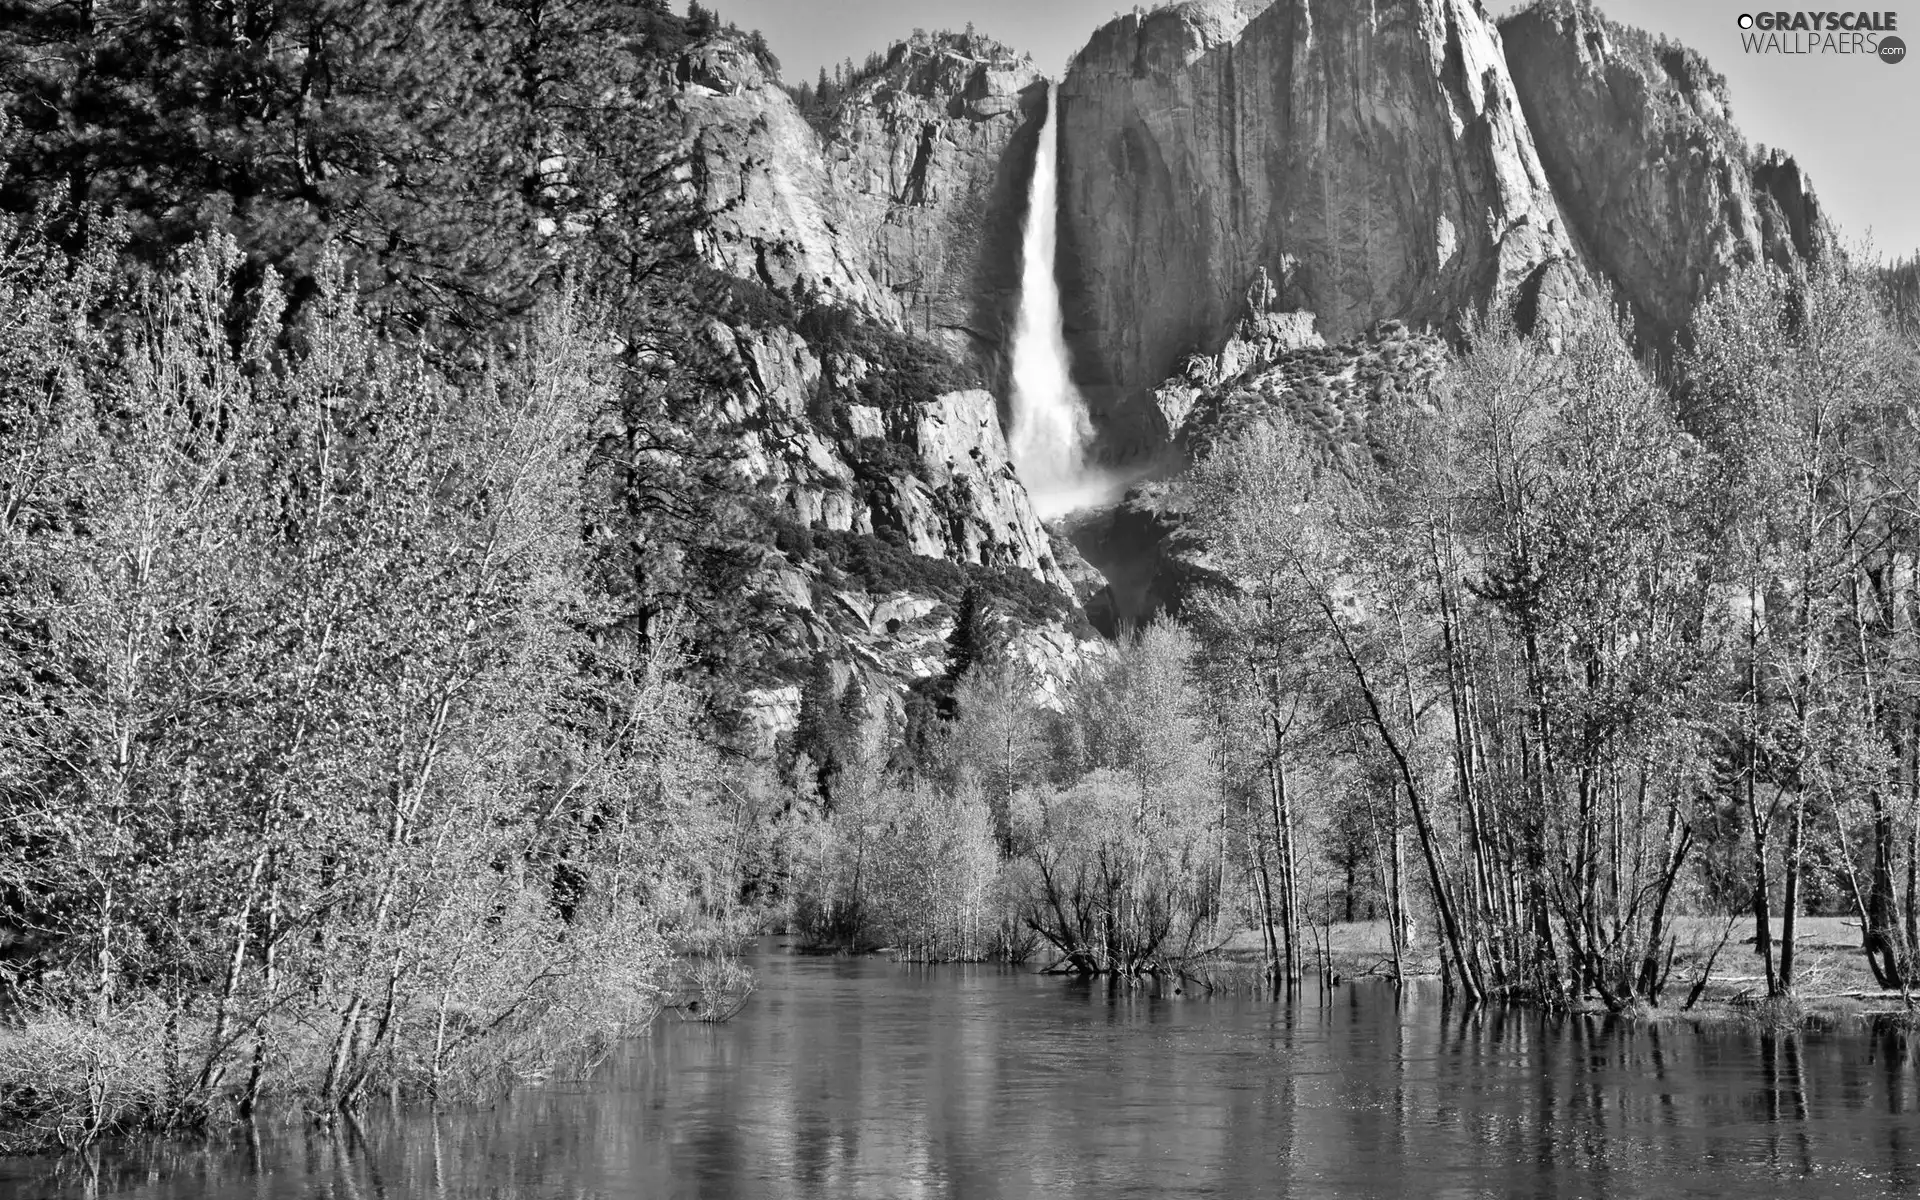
x,y
1051,430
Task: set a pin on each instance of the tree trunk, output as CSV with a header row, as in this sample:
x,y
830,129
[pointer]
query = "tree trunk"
x,y
1791,902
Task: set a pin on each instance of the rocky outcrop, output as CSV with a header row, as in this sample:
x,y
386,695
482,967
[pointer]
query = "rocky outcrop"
x,y
937,476
756,166
1372,158
1661,190
1336,395
1261,336
932,158
885,516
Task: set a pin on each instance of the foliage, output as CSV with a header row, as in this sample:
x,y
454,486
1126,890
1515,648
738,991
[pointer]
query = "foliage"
x,y
868,363
882,564
1598,647
431,146
1122,878
912,871
325,772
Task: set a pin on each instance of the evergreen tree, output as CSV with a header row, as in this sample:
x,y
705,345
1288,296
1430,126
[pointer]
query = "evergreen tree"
x,y
972,643
757,46
853,707
922,739
972,640
819,738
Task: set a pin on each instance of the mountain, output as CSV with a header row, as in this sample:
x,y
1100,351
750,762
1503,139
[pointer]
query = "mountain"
x,y
1407,160
1660,189
837,342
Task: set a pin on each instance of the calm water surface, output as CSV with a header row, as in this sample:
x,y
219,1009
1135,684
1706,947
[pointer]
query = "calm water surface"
x,y
865,1078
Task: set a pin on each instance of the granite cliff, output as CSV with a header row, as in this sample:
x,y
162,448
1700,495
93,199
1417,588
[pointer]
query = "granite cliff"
x,y
932,157
1405,159
1373,159
874,256
1638,140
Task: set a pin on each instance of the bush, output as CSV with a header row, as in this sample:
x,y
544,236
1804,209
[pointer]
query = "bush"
x,y
874,564
739,301
911,870
66,1080
884,564
790,537
877,458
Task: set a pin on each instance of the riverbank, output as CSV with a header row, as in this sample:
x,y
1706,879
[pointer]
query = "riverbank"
x,y
1832,979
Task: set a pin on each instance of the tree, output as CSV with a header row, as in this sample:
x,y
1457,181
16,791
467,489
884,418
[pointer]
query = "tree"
x,y
319,785
1121,854
997,738
1805,396
822,731
973,640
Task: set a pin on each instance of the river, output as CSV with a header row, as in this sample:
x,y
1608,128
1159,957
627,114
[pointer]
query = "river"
x,y
866,1078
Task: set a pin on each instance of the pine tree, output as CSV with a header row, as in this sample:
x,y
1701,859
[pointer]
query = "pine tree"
x,y
971,643
762,52
853,707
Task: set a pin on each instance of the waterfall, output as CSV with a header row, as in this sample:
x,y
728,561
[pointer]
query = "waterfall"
x,y
1051,431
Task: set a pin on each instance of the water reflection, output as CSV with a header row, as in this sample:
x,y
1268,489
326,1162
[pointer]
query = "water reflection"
x,y
869,1079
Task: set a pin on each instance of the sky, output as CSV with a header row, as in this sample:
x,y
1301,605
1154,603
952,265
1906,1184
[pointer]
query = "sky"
x,y
1850,121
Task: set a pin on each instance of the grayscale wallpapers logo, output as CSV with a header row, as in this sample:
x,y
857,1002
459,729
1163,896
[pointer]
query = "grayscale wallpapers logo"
x,y
1797,33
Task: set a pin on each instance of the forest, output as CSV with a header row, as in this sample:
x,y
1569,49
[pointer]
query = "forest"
x,y
1575,648
373,630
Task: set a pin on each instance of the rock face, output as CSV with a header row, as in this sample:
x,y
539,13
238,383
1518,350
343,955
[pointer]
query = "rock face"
x,y
1660,188
1372,158
885,502
906,203
906,179
909,214
917,494
757,166
946,489
1400,159
932,158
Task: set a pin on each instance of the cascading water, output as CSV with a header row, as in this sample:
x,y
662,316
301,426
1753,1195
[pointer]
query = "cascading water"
x,y
1051,430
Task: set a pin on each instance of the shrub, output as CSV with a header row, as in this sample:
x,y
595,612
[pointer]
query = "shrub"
x,y
739,301
874,564
66,1079
790,537
884,564
900,369
877,458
